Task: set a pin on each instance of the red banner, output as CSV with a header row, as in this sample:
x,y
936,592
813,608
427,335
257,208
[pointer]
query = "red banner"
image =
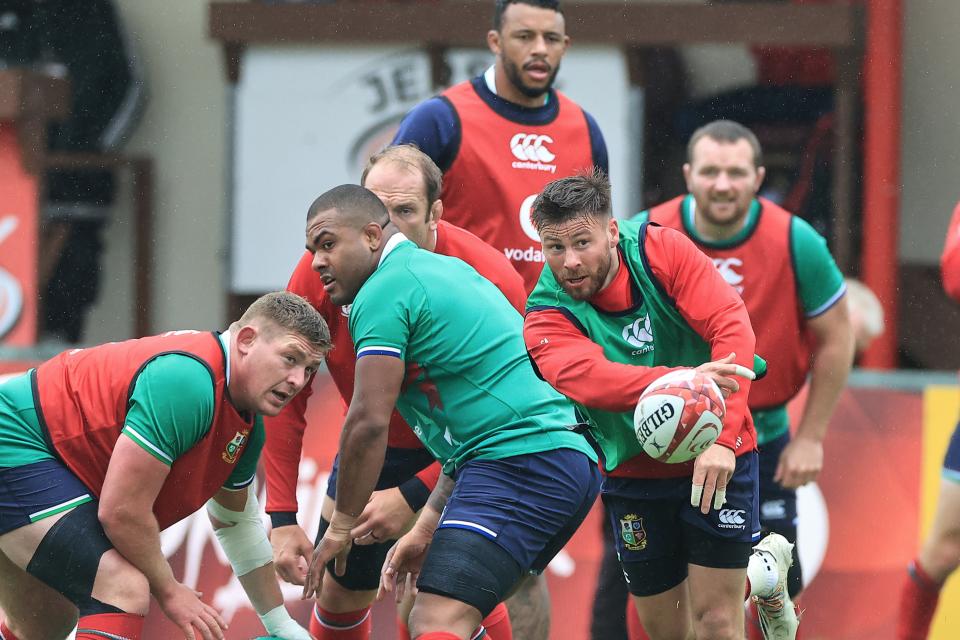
x,y
858,529
18,244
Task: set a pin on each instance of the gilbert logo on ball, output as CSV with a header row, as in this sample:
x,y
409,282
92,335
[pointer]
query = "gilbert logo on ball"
x,y
679,416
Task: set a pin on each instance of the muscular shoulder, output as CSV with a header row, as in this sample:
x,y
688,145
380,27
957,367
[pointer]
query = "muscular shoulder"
x,y
171,406
434,127
176,379
819,281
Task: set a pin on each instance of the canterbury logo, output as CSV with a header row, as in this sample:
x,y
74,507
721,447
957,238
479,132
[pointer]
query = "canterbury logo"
x,y
727,268
733,516
532,147
639,333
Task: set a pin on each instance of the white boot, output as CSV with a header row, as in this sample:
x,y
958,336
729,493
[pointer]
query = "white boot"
x,y
767,571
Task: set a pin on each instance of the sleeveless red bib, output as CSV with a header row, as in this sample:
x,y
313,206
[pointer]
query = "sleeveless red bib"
x,y
761,269
81,397
502,165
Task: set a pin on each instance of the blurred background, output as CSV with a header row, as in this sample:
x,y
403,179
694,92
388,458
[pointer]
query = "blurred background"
x,y
176,189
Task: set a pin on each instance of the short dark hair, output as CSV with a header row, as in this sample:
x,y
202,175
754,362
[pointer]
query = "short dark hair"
x,y
501,5
726,131
359,204
583,194
410,155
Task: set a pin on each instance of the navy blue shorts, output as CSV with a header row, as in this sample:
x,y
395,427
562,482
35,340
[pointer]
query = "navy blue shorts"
x,y
399,465
778,505
36,491
530,505
657,532
364,562
951,461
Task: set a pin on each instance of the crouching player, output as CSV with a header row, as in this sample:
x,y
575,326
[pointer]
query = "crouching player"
x,y
103,448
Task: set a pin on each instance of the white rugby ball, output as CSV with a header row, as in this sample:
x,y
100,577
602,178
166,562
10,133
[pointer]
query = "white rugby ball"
x,y
679,416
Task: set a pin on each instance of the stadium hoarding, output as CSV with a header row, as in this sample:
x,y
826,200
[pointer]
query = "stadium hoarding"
x,y
860,524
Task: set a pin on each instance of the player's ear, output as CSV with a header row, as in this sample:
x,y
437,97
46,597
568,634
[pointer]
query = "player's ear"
x,y
372,235
246,336
687,172
436,212
761,174
493,41
613,232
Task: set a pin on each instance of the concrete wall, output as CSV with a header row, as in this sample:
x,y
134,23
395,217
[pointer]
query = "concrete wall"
x,y
931,127
184,129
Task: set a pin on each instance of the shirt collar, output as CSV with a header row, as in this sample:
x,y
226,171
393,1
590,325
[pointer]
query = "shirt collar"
x,y
490,79
392,243
225,342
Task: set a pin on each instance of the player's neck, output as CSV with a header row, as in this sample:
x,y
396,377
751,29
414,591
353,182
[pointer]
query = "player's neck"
x,y
712,232
506,89
613,271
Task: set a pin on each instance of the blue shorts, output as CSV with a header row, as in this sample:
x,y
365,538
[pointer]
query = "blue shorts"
x,y
951,461
399,465
778,506
530,505
657,532
364,562
36,491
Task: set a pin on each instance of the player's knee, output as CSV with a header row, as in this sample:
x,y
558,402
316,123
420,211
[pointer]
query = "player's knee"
x,y
719,623
424,619
944,555
336,598
121,585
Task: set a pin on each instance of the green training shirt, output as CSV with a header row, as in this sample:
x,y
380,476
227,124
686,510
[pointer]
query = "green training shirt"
x,y
170,410
470,391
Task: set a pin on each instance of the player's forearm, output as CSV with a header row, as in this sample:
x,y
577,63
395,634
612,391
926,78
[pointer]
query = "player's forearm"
x,y
261,587
363,445
565,358
135,534
430,516
281,455
828,376
441,493
950,259
416,491
950,271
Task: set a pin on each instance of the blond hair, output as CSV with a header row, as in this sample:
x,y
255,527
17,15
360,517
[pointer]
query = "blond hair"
x,y
291,313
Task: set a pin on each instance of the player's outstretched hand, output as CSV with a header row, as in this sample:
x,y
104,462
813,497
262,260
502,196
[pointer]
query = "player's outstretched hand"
x,y
386,516
800,463
711,473
292,551
335,545
182,605
403,562
723,371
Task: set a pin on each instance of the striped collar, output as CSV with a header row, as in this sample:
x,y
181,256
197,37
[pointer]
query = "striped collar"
x,y
225,341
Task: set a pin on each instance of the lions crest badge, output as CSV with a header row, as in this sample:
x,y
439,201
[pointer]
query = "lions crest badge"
x,y
632,533
233,447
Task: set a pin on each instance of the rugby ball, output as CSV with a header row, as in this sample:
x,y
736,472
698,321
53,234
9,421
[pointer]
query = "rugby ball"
x,y
679,416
